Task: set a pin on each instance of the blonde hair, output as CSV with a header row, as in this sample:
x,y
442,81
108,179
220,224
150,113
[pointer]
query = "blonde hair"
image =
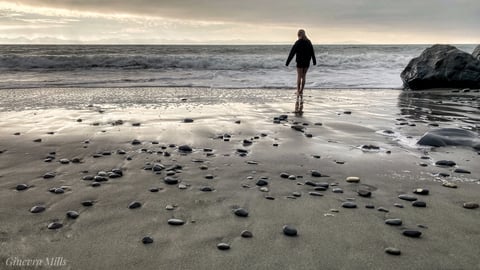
x,y
301,34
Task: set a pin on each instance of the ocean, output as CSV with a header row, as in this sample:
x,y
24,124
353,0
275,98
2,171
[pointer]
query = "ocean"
x,y
206,66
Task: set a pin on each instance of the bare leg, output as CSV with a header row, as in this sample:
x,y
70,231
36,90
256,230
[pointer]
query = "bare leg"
x,y
299,80
303,79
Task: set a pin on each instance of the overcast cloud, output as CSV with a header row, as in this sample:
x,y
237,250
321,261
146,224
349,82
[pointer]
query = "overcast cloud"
x,y
243,21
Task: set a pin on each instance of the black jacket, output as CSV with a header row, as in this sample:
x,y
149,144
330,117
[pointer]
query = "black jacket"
x,y
303,48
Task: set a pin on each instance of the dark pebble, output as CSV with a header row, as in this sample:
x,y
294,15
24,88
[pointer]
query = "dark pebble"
x,y
176,222
206,189
394,221
316,173
393,251
49,175
271,198
382,209
37,209
147,240
421,191
419,204
37,140
209,176
458,170
246,234
185,148
318,194
412,233
241,212
262,183
73,214
447,163
470,205
21,187
64,161
349,205
284,175
95,184
337,190
170,180
54,225
407,197
223,246
364,193
289,230
155,189
134,205
87,203
370,206
320,188
188,120
136,142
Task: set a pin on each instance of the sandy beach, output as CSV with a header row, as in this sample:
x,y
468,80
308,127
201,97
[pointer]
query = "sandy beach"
x,y
200,154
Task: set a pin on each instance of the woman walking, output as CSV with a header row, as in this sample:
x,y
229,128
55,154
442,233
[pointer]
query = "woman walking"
x,y
303,49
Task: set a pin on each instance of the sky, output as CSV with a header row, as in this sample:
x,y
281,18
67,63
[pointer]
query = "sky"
x,y
239,21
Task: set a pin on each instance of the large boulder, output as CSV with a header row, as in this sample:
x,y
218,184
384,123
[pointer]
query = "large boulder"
x,y
442,66
450,137
476,53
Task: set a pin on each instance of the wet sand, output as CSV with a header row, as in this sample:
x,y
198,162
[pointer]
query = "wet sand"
x,y
370,134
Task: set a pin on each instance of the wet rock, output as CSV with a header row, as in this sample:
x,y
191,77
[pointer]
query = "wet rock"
x,y
64,161
470,205
264,189
394,221
185,148
87,203
262,182
170,180
407,197
370,147
393,251
136,142
37,209
412,233
449,184
240,212
298,128
176,222
54,226
223,246
364,193
353,179
445,163
22,187
317,194
206,189
421,191
316,173
337,190
72,214
246,234
147,240
134,205
49,175
188,120
419,204
349,205
450,137
37,140
459,170
284,175
289,230
383,209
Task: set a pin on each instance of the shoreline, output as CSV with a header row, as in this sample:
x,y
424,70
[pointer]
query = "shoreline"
x,y
93,125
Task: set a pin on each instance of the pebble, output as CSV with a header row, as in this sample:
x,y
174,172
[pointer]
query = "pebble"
x,y
136,124
393,221
382,209
73,214
188,120
393,251
412,233
449,184
176,222
318,194
320,188
95,184
246,234
185,148
262,183
37,140
284,175
182,186
292,177
264,189
49,175
446,163
296,194
54,225
21,187
399,205
419,204
421,191
407,197
337,190
316,173
136,142
87,203
64,161
147,240
289,230
364,193
169,207
470,205
241,212
271,198
349,205
37,209
170,180
209,176
223,246
206,189
370,206
353,179
134,205
459,170
251,162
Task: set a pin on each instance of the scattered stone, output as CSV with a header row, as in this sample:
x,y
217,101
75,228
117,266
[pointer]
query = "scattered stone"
x,y
298,128
292,177
382,209
353,179
251,162
459,170
349,205
188,120
87,203
37,209
73,214
241,212
134,205
316,173
21,187
136,124
399,205
37,140
393,251
182,186
64,161
185,149
320,188
370,147
49,175
364,193
206,189
246,234
54,226
412,233
394,221
337,190
289,230
264,189
296,194
95,184
407,197
147,240
370,206
223,246
284,175
421,191
445,163
209,176
170,180
176,222
318,194
470,205
262,183
449,184
136,142
169,207
271,198
419,204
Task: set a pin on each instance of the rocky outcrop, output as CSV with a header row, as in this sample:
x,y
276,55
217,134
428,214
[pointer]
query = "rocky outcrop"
x,y
476,53
442,66
450,137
